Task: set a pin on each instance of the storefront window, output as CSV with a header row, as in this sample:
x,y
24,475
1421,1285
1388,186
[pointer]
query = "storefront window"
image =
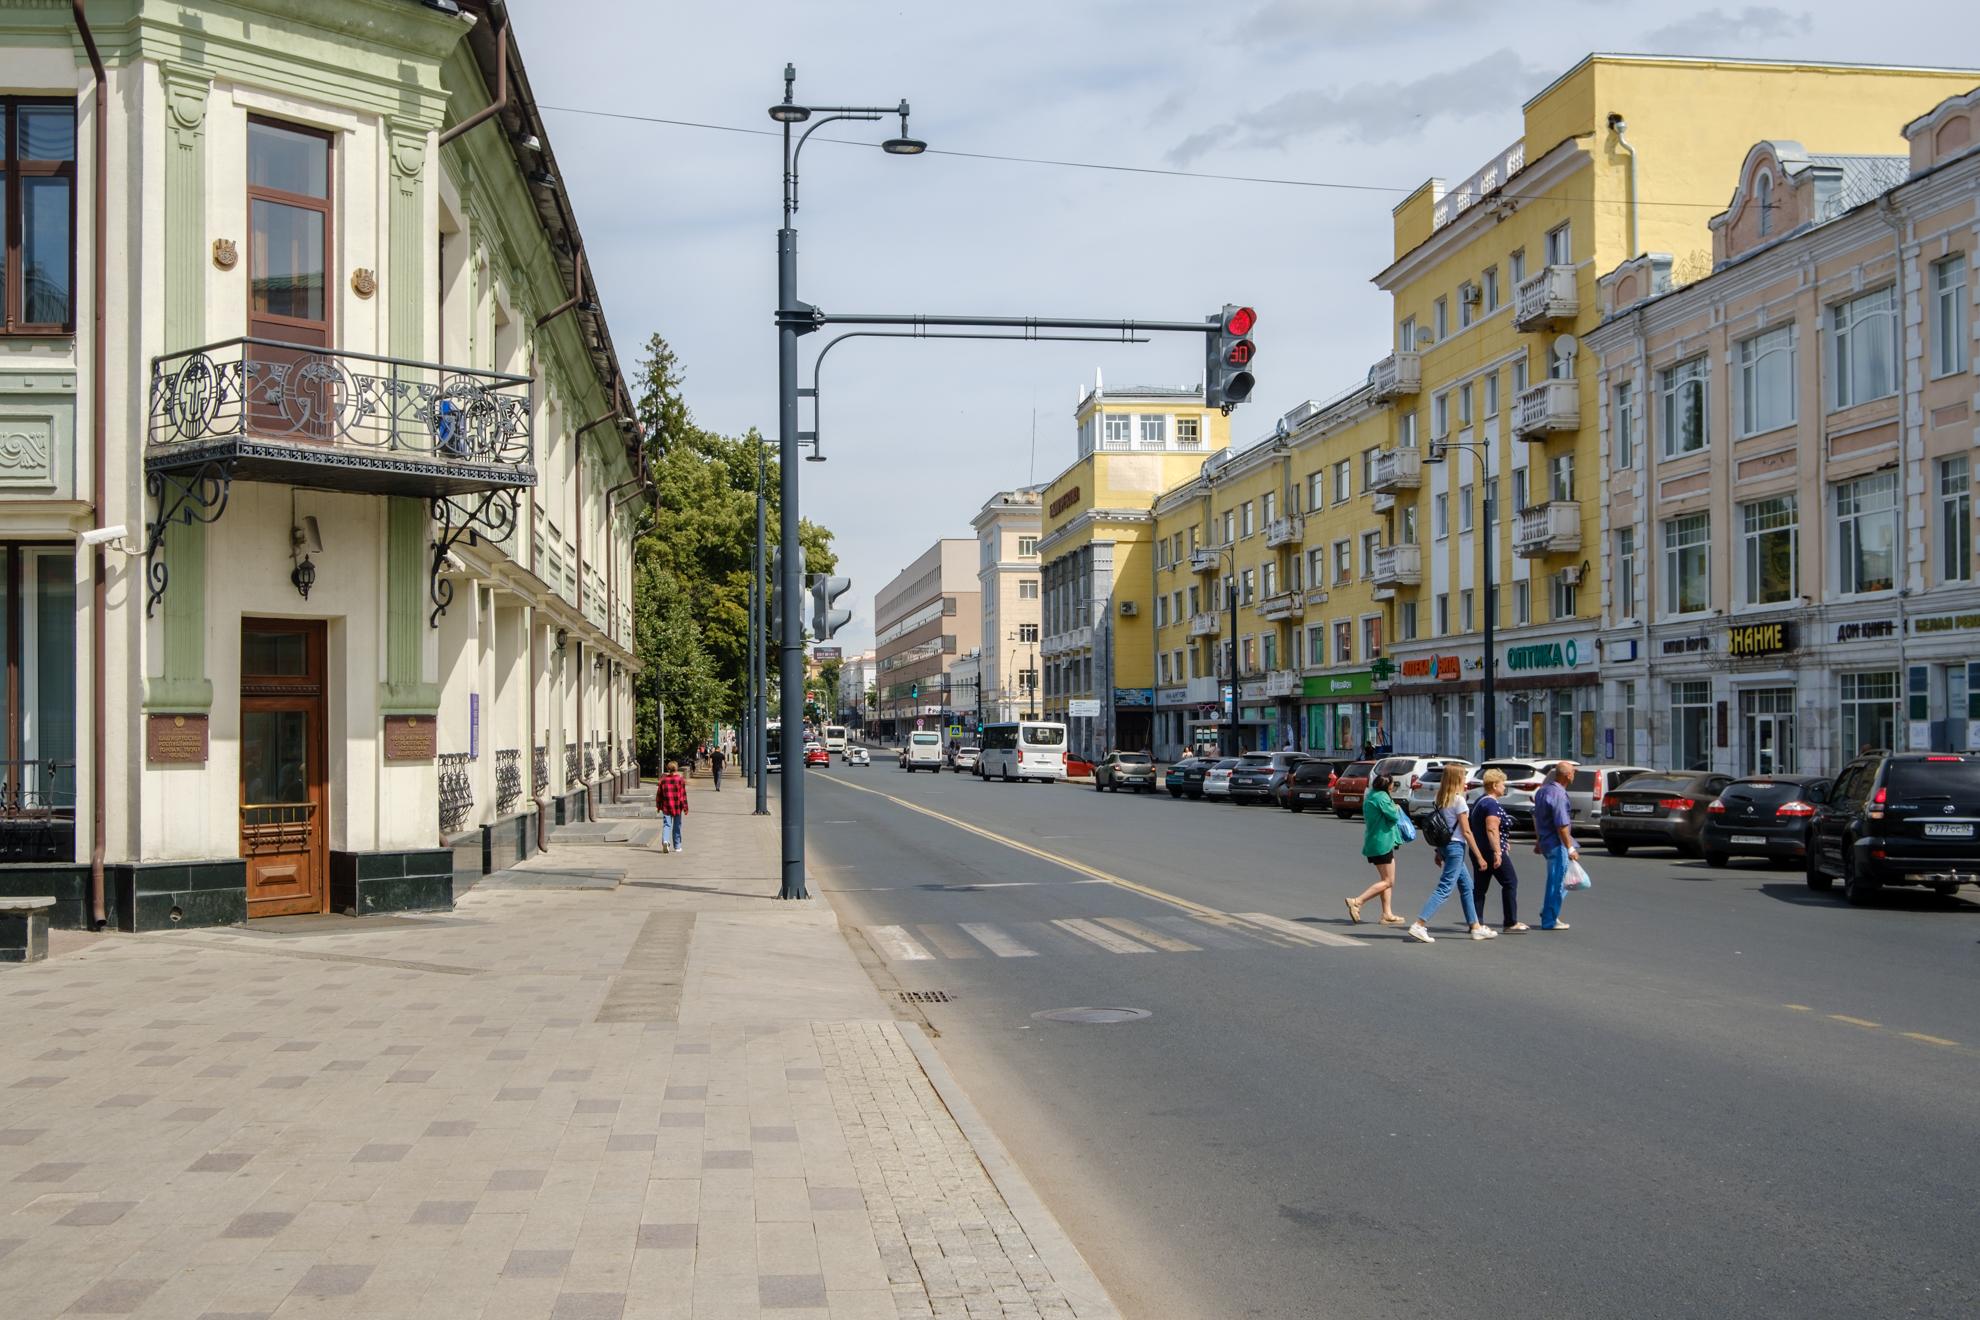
x,y
1766,717
38,704
1691,725
1869,713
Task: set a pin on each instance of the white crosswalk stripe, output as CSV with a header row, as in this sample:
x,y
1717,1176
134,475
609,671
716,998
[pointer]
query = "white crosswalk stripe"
x,y
1094,933
1166,943
898,945
1300,930
996,940
1235,932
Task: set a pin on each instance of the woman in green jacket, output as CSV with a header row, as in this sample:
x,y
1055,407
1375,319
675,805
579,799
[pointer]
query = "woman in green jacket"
x,y
1380,837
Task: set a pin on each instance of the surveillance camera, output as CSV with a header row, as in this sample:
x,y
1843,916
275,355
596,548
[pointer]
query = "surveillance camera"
x,y
105,535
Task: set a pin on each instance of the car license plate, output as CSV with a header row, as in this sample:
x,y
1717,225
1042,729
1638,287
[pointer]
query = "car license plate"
x,y
1639,808
1936,830
1749,838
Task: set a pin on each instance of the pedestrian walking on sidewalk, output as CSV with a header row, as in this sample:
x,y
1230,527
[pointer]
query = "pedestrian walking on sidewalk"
x,y
1491,830
716,760
670,800
1380,837
1553,828
1447,829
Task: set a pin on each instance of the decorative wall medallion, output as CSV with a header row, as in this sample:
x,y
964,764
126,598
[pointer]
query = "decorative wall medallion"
x,y
225,254
363,282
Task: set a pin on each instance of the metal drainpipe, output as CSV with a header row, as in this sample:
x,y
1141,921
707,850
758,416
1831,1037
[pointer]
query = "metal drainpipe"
x,y
493,108
1621,129
1888,212
99,603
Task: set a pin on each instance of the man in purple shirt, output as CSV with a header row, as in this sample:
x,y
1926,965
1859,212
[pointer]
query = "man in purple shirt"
x,y
1555,840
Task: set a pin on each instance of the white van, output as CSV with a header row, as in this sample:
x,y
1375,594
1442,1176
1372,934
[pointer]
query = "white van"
x,y
1031,749
923,751
835,739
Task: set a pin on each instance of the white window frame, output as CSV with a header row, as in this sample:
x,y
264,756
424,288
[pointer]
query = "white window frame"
x,y
1696,546
1625,577
1490,281
1343,481
1189,433
1464,507
1950,315
1117,432
1856,325
1622,425
1693,375
1855,515
1766,366
1759,522
1560,244
1955,491
1443,319
1151,431
1440,515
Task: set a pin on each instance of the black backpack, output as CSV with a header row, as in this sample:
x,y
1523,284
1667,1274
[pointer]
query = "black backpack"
x,y
1435,827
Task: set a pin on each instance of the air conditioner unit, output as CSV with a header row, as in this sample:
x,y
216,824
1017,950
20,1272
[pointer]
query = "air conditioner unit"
x,y
1129,609
1471,295
1571,576
1436,454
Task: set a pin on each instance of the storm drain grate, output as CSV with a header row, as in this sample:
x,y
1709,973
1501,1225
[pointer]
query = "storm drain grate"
x,y
925,997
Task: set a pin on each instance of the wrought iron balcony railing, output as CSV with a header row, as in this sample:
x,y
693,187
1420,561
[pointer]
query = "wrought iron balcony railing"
x,y
327,417
37,811
508,779
539,770
570,766
456,792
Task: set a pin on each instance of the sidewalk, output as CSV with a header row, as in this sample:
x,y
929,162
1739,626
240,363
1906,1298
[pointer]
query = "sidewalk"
x,y
568,1098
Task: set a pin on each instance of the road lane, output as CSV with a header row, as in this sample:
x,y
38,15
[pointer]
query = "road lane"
x,y
1540,1125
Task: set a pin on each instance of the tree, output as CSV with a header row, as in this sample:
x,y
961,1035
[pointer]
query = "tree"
x,y
676,666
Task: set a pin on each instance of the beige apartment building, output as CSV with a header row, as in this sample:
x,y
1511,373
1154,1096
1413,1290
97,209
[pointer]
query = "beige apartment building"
x,y
1007,529
1787,464
923,620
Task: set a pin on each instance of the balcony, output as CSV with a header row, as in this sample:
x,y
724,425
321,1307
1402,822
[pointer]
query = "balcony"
x,y
1284,531
1397,376
1398,565
1553,528
1282,683
1546,298
336,420
1203,561
1397,469
1548,408
1384,502
1204,624
1282,605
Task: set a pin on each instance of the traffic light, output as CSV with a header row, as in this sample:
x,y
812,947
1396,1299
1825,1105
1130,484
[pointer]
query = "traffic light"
x,y
1227,378
776,594
914,692
824,619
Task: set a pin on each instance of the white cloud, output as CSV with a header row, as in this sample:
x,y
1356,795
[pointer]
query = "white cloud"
x,y
1343,21
1715,30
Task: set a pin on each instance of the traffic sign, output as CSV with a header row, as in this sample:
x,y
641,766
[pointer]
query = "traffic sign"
x,y
917,721
824,653
1083,708
955,730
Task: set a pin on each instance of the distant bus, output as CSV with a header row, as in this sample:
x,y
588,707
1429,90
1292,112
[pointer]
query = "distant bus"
x,y
1028,749
773,746
835,738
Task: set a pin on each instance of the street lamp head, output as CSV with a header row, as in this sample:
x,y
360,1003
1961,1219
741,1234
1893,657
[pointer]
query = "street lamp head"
x,y
786,113
903,145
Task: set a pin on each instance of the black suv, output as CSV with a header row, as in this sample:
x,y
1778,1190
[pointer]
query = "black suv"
x,y
1906,818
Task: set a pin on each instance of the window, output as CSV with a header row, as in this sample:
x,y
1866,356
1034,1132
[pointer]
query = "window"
x,y
1464,508
1371,637
1865,334
1406,335
1370,543
38,705
1405,437
1763,194
1519,378
1164,676
1949,315
1344,480
1567,596
1343,642
1687,556
1520,491
1407,620
1247,580
1027,588
1469,298
1465,609
1027,547
1683,390
1189,433
1491,280
1116,434
1869,712
1955,520
1270,511
1766,381
1245,522
1268,577
1230,527
1492,395
1316,491
1691,724
1625,575
1316,644
1464,404
1408,531
1161,611
1440,416
1270,649
1622,435
1195,600
1316,566
1440,518
1027,632
39,207
1522,602
1443,613
1154,431
1516,268
1343,561
1443,319
1768,531
1560,246
1867,533
1560,478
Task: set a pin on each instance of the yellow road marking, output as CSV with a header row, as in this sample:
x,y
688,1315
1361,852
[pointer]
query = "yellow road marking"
x,y
1094,872
1166,943
1929,1040
1853,1021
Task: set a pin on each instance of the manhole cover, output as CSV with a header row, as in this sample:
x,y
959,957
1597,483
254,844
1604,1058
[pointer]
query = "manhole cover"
x,y
1092,1016
925,996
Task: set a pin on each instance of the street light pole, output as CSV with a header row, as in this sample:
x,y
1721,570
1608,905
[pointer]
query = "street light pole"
x,y
1231,732
759,616
1481,463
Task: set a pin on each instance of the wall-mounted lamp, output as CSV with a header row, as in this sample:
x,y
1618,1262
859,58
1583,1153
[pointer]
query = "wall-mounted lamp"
x,y
305,539
529,141
563,635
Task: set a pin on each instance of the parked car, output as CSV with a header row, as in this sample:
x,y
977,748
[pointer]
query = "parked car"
x,y
1217,781
1660,810
1259,778
1119,770
1311,784
858,756
1763,816
1523,779
964,758
1416,779
1586,791
1905,818
1349,787
1185,777
815,754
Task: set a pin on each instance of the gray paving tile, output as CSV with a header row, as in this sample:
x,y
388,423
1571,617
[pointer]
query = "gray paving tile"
x,y
343,1065
589,1306
450,1127
333,1280
297,1046
726,1159
38,1083
790,1291
597,1107
411,1075
258,1224
682,1120
773,1134
220,1162
699,1048
804,1074
19,1136
116,1296
123,1102
380,1153
53,1172
507,1056
442,1212
666,1237
7,1246
629,1141
520,1093
837,1198
95,1214
286,1083
529,1264
515,1180
162,1061
191,1114
223,1070
570,1075
687,1093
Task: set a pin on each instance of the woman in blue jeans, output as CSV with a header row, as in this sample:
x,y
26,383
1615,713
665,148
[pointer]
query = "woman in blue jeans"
x,y
1449,807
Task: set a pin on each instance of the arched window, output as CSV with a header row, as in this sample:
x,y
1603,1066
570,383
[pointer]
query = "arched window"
x,y
1763,193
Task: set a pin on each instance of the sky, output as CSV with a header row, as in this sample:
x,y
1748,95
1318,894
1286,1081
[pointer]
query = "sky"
x,y
1370,98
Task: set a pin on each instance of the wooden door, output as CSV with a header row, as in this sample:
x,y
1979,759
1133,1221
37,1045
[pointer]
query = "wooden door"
x,y
292,392
284,825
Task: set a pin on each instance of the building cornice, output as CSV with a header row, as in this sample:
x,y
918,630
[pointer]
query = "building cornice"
x,y
1560,163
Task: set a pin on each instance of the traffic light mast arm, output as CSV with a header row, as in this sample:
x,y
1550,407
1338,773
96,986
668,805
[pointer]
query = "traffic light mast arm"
x,y
814,317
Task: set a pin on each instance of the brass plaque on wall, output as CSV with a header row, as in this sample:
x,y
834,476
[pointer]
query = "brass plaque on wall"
x,y
410,738
175,738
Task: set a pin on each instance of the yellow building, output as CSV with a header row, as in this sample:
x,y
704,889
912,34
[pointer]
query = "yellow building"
x,y
1491,401
1095,548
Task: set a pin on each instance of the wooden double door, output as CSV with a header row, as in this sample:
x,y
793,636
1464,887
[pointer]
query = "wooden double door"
x,y
284,794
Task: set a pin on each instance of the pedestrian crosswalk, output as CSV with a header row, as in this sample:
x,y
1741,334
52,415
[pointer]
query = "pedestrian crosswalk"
x,y
1077,936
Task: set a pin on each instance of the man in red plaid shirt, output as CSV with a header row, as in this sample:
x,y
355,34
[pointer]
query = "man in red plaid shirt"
x,y
671,802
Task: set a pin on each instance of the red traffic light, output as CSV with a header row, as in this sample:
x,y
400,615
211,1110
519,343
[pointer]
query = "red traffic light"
x,y
1239,354
1240,321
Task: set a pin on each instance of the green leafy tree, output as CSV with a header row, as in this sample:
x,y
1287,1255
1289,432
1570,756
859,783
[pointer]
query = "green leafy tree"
x,y
675,663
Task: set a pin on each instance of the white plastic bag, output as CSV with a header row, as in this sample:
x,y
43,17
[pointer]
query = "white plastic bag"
x,y
1577,878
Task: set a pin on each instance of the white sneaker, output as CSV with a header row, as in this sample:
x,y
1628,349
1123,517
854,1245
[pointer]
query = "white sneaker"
x,y
1484,933
1419,933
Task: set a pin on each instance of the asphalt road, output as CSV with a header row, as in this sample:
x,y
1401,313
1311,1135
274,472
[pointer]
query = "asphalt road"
x,y
1718,1094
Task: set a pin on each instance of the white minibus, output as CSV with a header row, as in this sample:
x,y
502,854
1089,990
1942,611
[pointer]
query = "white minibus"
x,y
835,739
1027,749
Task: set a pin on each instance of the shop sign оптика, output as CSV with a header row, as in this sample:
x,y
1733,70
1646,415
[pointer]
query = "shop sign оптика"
x,y
1544,655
